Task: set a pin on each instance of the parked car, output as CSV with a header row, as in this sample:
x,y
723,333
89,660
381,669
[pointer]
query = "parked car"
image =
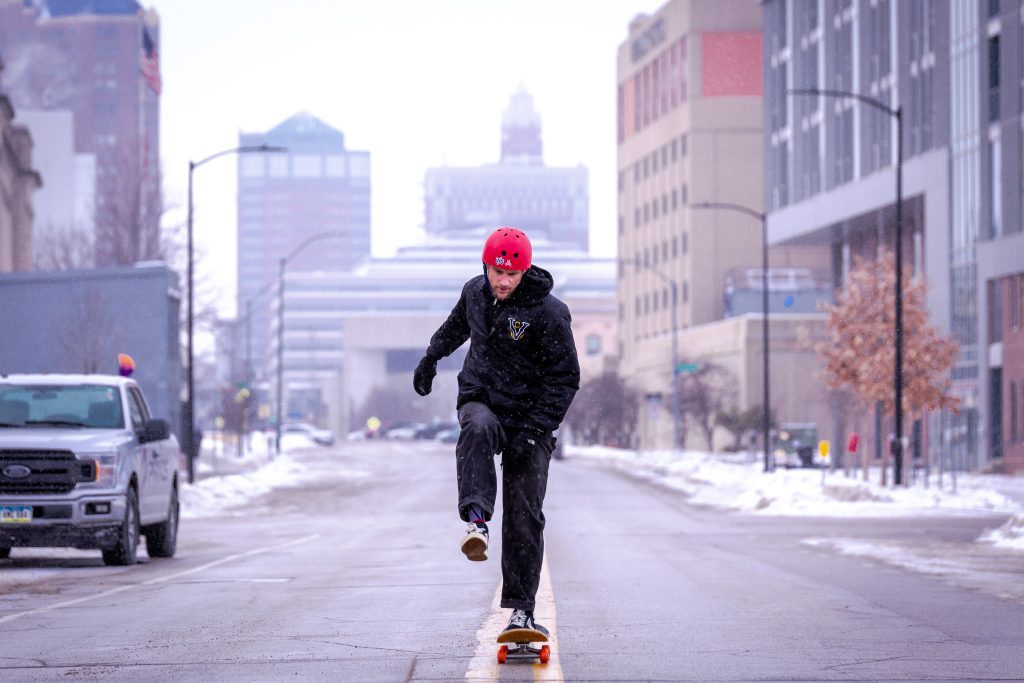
x,y
84,465
794,444
448,435
324,437
433,429
403,430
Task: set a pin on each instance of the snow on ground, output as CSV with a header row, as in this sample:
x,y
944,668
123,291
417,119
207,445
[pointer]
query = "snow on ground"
x,y
217,494
1009,535
736,481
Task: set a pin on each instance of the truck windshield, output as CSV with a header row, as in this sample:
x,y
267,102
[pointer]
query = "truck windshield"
x,y
90,406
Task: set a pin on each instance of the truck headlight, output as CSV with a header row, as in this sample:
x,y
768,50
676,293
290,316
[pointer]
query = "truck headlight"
x,y
106,470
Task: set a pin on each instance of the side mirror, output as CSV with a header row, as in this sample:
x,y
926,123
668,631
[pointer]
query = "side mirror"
x,y
156,430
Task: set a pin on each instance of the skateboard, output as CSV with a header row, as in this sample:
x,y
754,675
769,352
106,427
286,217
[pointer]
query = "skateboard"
x,y
518,645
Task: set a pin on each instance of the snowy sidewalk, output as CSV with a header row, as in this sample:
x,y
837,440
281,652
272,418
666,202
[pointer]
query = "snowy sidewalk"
x,y
735,481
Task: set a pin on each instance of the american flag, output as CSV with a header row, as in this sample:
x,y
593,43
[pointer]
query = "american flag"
x,y
149,62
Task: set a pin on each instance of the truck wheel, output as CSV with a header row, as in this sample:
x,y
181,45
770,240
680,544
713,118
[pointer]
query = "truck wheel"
x,y
126,551
162,538
5,553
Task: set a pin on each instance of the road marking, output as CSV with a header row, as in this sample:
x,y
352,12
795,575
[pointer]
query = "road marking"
x,y
158,580
484,665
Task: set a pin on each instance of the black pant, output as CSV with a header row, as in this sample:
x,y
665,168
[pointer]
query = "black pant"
x,y
524,482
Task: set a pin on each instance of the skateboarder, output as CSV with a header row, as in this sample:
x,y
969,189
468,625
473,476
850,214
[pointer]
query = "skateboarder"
x,y
518,379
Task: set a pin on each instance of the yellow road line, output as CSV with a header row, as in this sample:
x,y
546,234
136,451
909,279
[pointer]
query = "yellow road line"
x,y
484,665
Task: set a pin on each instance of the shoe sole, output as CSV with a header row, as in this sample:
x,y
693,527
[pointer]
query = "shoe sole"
x,y
475,548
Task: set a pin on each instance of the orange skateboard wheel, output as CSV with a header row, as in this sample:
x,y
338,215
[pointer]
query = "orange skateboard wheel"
x,y
545,654
502,654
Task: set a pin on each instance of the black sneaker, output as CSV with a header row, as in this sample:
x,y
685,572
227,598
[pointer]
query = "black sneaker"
x,y
474,545
520,624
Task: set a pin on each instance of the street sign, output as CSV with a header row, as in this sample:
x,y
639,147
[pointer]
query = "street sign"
x,y
687,367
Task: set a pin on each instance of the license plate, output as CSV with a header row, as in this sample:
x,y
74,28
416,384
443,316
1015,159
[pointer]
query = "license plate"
x,y
15,513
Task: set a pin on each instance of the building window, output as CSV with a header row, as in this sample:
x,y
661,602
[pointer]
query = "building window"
x,y
278,164
306,166
684,194
636,216
675,199
1016,291
655,89
675,247
685,243
593,344
995,198
675,146
686,291
1014,414
993,78
654,161
252,165
335,165
682,145
995,311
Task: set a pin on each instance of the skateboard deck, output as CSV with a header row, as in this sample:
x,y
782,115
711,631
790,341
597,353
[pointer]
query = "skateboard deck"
x,y
517,645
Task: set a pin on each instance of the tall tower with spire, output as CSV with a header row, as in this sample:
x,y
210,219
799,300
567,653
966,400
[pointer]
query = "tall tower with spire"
x,y
521,141
550,202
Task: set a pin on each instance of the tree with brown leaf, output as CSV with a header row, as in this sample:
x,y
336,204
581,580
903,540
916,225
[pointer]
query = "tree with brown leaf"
x,y
859,350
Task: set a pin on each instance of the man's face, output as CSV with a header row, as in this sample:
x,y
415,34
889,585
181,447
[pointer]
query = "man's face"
x,y
503,282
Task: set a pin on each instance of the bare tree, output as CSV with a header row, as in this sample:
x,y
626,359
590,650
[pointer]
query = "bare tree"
x,y
129,208
705,393
64,248
740,423
604,410
88,339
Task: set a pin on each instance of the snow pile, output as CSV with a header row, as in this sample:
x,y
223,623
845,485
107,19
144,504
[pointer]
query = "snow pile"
x,y
738,482
1009,535
212,496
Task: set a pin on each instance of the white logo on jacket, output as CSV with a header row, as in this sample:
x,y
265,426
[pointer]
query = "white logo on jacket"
x,y
516,328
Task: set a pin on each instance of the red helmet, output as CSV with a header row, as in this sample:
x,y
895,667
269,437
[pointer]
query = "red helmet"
x,y
508,248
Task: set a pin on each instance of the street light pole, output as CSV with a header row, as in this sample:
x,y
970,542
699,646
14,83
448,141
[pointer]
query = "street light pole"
x,y
766,419
188,422
280,324
897,114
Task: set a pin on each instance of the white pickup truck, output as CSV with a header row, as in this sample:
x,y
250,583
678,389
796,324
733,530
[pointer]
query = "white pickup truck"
x,y
83,465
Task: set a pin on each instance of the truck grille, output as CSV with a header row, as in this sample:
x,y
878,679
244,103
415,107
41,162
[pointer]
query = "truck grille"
x,y
42,472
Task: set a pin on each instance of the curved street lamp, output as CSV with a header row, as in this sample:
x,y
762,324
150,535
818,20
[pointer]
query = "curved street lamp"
x,y
280,324
188,424
897,114
728,206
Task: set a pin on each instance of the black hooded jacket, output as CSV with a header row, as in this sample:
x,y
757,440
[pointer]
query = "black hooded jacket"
x,y
522,357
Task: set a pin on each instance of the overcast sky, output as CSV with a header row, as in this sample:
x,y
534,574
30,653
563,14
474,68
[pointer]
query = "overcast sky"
x,y
415,83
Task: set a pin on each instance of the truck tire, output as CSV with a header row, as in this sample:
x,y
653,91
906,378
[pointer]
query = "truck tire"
x,y
5,553
125,553
162,538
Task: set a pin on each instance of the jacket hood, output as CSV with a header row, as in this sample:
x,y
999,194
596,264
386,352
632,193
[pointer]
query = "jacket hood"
x,y
535,285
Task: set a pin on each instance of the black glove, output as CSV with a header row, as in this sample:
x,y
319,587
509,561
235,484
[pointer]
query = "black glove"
x,y
524,441
423,376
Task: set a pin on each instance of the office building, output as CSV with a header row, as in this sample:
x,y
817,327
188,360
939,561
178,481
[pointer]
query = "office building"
x,y
550,202
285,198
955,71
99,62
347,334
690,131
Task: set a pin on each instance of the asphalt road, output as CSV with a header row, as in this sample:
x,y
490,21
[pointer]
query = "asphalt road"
x,y
361,579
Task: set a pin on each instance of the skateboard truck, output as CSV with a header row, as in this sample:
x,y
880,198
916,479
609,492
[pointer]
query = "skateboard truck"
x,y
524,651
